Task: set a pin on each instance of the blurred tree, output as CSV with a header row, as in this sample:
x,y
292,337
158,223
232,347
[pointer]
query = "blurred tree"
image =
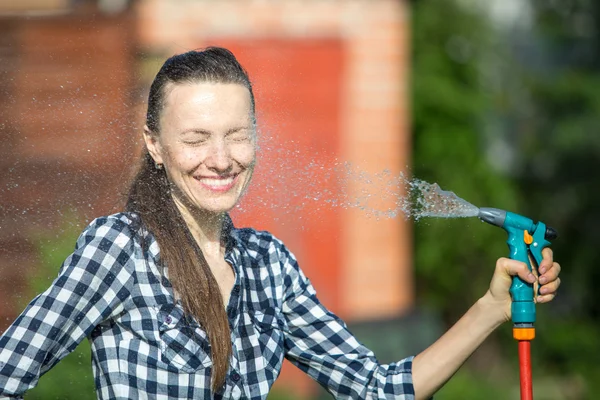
x,y
455,259
449,108
72,377
507,118
559,145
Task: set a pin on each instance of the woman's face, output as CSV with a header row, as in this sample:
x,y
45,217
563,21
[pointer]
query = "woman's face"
x,y
206,143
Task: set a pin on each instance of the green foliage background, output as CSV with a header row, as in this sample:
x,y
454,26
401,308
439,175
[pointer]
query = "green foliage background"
x,y
536,90
71,378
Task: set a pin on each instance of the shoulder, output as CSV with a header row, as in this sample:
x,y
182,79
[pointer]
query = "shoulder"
x,y
116,229
256,240
106,245
263,244
268,252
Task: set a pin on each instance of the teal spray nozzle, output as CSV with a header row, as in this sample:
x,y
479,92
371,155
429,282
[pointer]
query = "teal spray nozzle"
x,y
524,238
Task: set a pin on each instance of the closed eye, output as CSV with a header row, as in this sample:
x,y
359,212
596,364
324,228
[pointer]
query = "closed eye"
x,y
195,142
239,135
194,138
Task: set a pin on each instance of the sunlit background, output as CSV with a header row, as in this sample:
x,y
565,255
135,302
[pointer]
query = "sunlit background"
x,y
497,101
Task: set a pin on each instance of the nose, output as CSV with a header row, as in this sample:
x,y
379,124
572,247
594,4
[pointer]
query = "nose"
x,y
219,157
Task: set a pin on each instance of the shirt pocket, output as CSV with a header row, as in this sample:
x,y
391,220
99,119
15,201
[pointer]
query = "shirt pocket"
x,y
271,326
183,344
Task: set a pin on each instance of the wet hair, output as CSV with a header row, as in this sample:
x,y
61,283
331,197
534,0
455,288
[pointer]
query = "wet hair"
x,y
151,199
212,65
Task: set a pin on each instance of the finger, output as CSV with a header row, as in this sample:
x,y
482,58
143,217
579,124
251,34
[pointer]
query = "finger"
x,y
547,260
513,267
551,274
545,298
532,262
550,288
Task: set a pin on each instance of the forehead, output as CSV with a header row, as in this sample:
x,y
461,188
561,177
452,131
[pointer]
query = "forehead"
x,y
205,105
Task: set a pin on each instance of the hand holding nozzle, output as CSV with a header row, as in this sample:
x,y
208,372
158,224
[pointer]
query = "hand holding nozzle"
x,y
524,238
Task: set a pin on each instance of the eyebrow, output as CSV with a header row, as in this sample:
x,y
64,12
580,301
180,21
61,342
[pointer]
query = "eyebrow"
x,y
205,132
234,130
196,131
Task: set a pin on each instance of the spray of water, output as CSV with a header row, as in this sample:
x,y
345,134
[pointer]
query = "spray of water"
x,y
429,200
290,187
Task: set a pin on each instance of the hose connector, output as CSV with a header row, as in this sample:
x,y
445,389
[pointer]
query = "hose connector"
x,y
523,332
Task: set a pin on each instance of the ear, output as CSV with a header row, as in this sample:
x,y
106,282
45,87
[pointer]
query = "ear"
x,y
153,145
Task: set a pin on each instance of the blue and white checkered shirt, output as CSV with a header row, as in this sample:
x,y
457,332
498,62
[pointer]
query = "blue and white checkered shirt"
x,y
110,290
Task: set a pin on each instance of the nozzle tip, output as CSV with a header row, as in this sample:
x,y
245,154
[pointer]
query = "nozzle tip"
x,y
492,216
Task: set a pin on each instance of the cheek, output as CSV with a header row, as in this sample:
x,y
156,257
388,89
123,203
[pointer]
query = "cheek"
x,y
185,158
244,154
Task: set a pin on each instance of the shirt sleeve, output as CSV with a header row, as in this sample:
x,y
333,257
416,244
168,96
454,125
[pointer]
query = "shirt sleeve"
x,y
92,285
320,344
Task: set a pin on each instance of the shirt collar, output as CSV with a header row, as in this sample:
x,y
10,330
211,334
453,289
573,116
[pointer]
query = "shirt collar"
x,y
228,235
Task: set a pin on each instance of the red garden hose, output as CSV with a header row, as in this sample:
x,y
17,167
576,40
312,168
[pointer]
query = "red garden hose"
x,y
525,369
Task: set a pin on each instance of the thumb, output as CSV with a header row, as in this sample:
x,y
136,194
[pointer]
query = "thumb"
x,y
505,270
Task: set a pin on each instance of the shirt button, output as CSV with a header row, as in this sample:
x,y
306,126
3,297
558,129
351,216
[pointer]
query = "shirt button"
x,y
236,289
231,312
236,377
168,319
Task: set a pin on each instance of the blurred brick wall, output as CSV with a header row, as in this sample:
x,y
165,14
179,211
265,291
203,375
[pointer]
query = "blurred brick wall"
x,y
65,122
33,6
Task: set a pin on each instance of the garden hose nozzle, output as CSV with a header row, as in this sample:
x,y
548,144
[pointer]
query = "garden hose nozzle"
x,y
524,238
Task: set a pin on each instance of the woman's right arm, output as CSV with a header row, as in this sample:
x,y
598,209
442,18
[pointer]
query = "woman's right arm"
x,y
92,285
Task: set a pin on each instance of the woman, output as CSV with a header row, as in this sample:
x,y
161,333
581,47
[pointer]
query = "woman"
x,y
179,304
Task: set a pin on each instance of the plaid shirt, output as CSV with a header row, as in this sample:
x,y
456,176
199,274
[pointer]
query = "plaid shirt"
x,y
111,291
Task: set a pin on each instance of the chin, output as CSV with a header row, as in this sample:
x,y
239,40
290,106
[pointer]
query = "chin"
x,y
217,208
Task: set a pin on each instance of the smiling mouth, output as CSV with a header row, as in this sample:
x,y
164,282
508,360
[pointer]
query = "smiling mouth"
x,y
219,183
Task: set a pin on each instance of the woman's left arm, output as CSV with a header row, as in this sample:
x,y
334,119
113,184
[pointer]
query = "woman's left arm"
x,y
435,365
320,344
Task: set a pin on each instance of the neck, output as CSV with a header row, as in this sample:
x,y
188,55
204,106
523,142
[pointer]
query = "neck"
x,y
205,227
